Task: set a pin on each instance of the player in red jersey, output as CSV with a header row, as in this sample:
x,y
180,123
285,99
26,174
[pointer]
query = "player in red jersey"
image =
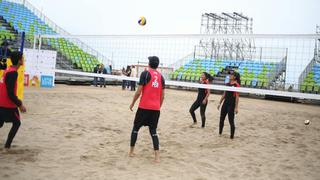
x,y
9,102
151,88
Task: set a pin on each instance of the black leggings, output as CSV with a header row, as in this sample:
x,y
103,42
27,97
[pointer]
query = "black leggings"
x,y
124,84
153,133
102,82
14,129
195,106
133,85
227,109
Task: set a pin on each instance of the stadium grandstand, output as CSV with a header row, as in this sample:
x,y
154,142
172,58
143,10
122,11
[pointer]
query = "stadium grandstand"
x,y
16,18
254,73
310,77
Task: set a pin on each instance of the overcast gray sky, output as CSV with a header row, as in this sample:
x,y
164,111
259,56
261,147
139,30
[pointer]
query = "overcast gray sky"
x,y
177,16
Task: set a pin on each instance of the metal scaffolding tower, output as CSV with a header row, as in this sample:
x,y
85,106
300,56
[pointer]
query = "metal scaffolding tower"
x,y
226,48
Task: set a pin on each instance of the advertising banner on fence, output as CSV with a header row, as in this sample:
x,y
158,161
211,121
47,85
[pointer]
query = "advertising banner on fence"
x,y
39,67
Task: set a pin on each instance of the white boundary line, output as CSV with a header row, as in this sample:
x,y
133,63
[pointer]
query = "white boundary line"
x,y
196,85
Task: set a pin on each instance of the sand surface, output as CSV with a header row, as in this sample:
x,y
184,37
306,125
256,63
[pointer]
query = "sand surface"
x,y
75,132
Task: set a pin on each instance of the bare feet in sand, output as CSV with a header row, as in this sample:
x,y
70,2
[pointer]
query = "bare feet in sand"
x,y
131,152
193,125
156,156
5,150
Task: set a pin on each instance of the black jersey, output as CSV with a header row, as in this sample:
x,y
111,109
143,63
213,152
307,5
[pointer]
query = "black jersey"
x,y
202,93
230,96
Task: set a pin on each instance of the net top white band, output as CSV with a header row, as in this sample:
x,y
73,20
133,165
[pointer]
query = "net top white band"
x,y
197,85
235,36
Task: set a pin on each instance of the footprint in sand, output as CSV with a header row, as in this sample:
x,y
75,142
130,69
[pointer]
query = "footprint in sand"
x,y
200,179
122,168
302,146
207,165
23,155
27,159
68,136
289,127
296,134
104,129
73,135
6,176
22,151
169,157
234,176
173,143
274,128
86,157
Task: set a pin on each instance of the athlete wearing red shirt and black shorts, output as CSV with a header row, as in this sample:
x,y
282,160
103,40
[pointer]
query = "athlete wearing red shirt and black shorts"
x,y
151,88
9,102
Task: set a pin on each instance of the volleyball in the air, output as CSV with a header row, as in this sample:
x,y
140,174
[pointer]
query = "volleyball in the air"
x,y
142,21
307,122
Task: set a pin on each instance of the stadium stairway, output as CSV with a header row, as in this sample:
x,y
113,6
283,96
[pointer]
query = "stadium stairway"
x,y
6,26
9,34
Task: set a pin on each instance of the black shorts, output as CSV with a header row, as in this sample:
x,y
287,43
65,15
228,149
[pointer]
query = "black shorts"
x,y
145,117
9,115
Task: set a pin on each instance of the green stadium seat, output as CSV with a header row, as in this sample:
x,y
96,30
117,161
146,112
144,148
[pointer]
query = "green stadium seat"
x,y
260,83
243,82
316,89
265,83
303,87
248,82
310,87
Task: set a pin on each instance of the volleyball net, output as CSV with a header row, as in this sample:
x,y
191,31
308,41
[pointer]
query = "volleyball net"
x,y
280,65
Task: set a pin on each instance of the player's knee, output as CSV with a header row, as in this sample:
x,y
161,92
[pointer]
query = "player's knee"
x,y
17,123
153,132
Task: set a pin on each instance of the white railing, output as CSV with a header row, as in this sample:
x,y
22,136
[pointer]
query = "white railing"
x,y
280,67
306,71
61,31
182,61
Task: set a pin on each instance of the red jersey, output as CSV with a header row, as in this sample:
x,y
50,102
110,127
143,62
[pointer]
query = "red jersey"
x,y
151,92
5,101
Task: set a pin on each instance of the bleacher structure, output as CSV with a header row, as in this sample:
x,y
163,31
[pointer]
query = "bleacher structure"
x,y
6,33
224,24
253,73
217,55
16,18
310,78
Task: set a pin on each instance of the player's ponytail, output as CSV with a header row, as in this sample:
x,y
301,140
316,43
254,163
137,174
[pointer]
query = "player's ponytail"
x,y
208,76
237,77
